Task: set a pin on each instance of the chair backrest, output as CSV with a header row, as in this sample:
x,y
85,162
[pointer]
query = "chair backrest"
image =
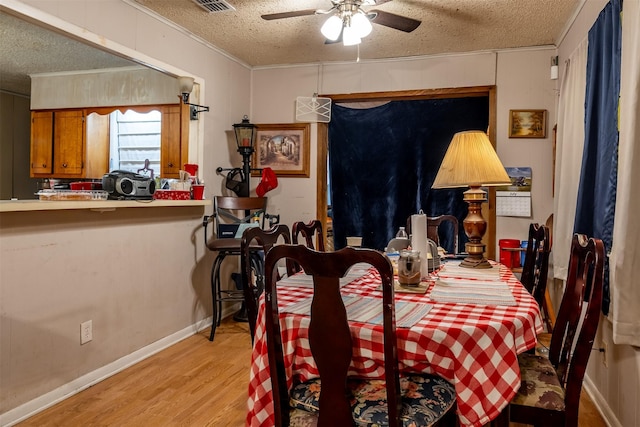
x,y
578,317
329,333
434,231
250,261
308,231
229,212
536,262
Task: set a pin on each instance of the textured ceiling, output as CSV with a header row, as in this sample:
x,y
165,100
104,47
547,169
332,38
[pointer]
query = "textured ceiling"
x,y
27,49
447,26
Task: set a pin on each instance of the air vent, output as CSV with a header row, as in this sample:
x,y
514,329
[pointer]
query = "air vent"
x,y
214,5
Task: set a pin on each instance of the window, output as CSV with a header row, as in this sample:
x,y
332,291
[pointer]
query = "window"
x,y
134,139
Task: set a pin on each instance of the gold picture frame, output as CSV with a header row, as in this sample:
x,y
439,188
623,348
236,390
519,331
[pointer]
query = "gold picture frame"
x,y
527,123
285,148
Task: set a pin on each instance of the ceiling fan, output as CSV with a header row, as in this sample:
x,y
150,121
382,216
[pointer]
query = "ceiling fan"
x,y
349,22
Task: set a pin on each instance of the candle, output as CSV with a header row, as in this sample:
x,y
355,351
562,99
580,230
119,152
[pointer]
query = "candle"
x,y
245,142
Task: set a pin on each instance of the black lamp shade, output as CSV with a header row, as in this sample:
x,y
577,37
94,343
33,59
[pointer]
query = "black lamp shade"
x,y
245,133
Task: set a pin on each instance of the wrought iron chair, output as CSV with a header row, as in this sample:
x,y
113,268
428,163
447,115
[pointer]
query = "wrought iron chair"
x,y
230,214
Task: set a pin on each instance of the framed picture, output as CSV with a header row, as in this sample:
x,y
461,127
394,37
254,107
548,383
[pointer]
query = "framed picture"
x,y
527,123
284,148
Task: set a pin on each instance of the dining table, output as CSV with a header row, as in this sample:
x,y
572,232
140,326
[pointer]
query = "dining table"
x,y
464,325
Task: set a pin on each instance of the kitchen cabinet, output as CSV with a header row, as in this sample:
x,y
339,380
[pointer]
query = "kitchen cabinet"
x,y
75,143
174,139
66,145
41,143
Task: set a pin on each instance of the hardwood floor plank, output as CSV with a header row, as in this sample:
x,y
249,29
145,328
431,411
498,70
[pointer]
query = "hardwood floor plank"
x,y
192,383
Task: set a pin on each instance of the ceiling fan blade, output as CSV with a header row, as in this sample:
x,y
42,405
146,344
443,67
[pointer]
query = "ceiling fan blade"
x,y
392,20
292,14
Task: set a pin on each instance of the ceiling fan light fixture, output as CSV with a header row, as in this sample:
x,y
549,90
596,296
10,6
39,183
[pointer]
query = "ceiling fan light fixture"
x,y
361,24
350,36
332,27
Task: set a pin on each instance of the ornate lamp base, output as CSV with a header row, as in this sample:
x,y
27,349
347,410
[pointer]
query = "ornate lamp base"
x,y
475,226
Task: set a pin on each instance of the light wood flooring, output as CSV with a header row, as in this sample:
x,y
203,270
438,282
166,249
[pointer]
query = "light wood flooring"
x,y
192,383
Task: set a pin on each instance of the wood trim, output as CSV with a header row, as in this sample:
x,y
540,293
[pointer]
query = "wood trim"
x,y
321,180
488,211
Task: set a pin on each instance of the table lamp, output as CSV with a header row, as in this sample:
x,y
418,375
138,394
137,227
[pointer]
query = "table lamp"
x,y
471,161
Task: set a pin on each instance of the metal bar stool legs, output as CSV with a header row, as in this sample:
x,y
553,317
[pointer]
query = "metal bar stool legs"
x,y
216,297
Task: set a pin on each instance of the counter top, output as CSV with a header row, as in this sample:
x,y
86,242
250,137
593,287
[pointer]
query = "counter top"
x,y
94,205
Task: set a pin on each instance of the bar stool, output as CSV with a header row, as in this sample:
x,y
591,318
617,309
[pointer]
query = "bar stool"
x,y
231,216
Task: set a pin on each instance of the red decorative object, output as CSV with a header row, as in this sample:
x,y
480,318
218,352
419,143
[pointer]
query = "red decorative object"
x,y
172,195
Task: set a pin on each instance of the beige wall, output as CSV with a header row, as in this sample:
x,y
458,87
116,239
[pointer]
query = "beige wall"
x,y
15,119
521,77
59,269
613,378
141,275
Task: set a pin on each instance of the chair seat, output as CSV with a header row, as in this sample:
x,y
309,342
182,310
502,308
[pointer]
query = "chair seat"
x,y
425,399
229,244
540,386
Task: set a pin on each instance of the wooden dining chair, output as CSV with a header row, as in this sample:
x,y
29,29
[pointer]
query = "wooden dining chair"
x,y
551,387
308,230
252,270
333,399
536,263
446,235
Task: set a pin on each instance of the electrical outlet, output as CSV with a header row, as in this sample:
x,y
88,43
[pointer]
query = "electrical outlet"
x,y
86,332
605,352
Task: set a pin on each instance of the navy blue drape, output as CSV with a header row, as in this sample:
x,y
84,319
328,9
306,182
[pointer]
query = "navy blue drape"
x,y
597,189
383,161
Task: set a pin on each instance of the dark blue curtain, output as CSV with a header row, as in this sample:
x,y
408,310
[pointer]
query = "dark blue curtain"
x,y
597,189
383,161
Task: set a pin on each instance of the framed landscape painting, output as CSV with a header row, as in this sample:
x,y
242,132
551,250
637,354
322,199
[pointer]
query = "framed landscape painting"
x,y
527,123
284,148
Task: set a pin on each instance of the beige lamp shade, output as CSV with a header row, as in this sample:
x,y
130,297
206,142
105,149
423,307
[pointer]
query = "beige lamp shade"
x,y
186,84
470,161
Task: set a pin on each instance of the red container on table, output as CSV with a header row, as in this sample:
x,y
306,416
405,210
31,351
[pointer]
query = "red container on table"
x,y
510,258
85,185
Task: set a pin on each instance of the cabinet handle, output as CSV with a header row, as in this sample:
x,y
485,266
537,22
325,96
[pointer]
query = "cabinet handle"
x,y
170,165
64,165
44,165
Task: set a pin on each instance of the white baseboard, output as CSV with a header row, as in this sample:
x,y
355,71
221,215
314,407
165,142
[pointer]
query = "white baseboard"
x,y
49,399
600,403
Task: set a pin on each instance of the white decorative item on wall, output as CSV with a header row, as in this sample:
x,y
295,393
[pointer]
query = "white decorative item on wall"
x,y
313,109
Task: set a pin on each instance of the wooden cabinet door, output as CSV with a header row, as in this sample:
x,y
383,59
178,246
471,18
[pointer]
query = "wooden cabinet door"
x,y
170,142
96,144
68,143
41,143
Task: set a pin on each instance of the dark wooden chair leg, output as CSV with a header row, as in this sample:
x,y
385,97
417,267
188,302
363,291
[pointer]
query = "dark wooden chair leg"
x,y
501,420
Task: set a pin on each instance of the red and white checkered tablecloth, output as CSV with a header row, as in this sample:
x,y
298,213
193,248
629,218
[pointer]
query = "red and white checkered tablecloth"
x,y
475,347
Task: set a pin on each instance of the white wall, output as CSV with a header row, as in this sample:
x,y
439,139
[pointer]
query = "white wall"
x,y
44,296
522,79
61,268
615,386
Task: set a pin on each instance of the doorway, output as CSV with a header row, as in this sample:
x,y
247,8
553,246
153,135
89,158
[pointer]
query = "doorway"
x,y
323,146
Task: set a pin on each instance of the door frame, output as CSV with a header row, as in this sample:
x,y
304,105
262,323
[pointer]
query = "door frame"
x,y
488,209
